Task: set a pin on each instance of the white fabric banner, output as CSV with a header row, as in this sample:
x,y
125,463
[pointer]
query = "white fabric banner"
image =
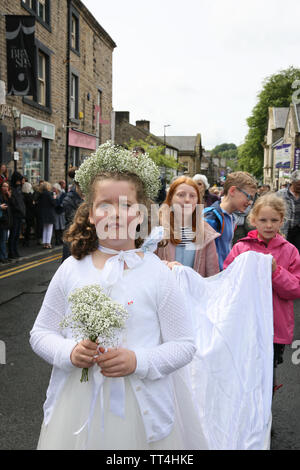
x,y
232,373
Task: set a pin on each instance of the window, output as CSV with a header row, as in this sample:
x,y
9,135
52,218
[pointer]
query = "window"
x,y
74,35
40,9
42,98
74,157
74,31
28,3
74,96
41,82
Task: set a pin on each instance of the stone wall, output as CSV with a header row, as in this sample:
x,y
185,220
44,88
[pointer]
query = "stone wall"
x,y
93,64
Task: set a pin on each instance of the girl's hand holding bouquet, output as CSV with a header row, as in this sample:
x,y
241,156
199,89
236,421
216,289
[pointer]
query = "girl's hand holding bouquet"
x,y
116,362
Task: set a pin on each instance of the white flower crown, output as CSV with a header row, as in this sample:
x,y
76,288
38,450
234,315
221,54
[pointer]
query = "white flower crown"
x,y
113,159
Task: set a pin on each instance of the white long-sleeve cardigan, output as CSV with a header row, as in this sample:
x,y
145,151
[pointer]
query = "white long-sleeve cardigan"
x,y
159,331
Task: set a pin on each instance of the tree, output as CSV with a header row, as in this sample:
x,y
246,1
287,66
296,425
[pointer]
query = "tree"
x,y
156,153
229,152
277,91
220,149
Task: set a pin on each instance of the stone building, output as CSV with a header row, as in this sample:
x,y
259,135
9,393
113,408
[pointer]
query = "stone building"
x,y
189,152
276,126
73,104
124,131
282,145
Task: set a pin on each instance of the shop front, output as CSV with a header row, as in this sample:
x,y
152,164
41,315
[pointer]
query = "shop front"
x,y
35,151
81,145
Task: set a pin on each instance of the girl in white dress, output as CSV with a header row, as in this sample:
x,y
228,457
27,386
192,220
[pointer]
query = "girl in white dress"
x,y
138,395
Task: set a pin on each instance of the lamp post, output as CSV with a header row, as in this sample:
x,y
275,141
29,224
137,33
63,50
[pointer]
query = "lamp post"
x,y
165,125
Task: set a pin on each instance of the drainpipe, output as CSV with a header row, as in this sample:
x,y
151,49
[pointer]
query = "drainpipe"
x,y
68,92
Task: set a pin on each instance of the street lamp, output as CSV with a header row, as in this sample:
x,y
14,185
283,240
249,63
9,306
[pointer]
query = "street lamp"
x,y
165,125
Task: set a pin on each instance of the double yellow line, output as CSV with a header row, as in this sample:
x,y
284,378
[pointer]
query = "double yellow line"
x,y
25,267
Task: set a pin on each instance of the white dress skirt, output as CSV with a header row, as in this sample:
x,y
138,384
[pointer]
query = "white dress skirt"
x,y
71,412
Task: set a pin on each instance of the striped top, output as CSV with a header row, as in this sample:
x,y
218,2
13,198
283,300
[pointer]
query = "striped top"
x,y
187,236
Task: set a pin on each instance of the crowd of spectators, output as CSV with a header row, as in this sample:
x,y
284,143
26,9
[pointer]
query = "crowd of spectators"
x,y
34,214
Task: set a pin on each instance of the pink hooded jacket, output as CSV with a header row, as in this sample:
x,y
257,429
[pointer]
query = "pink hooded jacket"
x,y
285,279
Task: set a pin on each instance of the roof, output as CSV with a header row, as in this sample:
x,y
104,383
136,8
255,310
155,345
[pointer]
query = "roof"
x,y
280,117
181,142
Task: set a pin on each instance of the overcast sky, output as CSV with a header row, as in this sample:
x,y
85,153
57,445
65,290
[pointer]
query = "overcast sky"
x,y
197,65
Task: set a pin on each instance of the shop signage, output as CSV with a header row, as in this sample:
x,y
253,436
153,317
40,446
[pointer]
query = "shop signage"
x,y
282,155
28,138
47,129
5,111
82,140
297,159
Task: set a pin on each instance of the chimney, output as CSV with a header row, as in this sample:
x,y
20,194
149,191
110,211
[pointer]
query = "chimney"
x,y
143,125
122,116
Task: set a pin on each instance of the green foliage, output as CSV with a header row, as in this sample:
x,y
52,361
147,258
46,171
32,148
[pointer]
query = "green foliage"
x,y
277,91
222,148
155,151
229,152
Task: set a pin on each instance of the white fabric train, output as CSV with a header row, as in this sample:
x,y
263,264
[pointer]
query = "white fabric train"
x,y
232,372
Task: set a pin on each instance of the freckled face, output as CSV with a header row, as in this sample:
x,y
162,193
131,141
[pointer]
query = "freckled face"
x,y
114,212
185,196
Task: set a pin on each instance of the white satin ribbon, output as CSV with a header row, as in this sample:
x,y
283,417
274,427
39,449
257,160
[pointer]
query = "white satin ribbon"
x,y
114,266
117,400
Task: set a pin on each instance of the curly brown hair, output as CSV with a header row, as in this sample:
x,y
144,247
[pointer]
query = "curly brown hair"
x,y
81,235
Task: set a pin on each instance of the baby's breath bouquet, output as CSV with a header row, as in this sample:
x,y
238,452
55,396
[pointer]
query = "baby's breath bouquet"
x,y
96,317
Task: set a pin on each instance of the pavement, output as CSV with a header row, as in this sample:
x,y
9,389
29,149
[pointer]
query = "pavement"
x,y
30,253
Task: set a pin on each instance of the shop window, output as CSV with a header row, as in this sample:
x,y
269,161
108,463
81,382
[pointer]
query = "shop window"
x,y
74,157
35,163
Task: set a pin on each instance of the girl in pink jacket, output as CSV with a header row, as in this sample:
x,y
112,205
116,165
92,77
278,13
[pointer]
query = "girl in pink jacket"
x,y
267,216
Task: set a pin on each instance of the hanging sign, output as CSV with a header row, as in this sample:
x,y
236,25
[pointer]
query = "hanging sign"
x,y
20,51
28,138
